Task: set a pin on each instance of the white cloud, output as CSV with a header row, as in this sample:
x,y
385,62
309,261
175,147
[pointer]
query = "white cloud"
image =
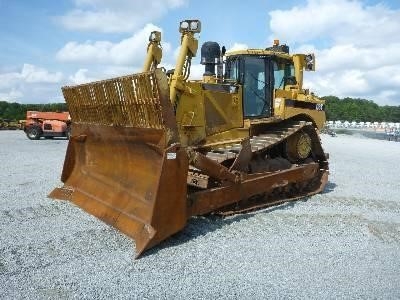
x,y
129,51
357,46
31,74
342,21
84,75
237,46
347,56
11,95
81,77
30,81
88,52
196,71
339,84
116,16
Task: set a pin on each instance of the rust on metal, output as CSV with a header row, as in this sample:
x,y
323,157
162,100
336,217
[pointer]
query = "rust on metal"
x,y
124,163
197,179
204,202
243,158
211,167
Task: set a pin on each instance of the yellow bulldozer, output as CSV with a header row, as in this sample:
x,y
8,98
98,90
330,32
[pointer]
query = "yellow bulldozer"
x,y
149,150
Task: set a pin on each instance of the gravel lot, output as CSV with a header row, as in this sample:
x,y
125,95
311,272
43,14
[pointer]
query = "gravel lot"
x,y
344,243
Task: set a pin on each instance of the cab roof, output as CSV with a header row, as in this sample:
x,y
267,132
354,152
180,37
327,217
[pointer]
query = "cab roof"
x,y
259,52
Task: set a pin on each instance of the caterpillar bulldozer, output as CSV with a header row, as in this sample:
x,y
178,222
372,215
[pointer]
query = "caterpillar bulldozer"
x,y
150,150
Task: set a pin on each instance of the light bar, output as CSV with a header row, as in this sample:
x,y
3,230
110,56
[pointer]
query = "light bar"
x,y
190,26
310,62
155,36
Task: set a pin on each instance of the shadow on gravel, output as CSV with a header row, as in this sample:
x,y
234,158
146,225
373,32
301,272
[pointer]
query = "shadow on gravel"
x,y
195,227
330,187
202,225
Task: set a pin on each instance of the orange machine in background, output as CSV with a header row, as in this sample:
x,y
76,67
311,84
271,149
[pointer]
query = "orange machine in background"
x,y
47,124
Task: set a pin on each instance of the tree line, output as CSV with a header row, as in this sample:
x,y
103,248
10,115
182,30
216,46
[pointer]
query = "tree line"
x,y
349,109
17,111
359,110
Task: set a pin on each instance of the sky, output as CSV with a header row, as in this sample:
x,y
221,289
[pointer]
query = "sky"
x,y
47,44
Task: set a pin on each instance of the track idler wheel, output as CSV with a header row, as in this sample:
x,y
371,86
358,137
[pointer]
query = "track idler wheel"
x,y
298,146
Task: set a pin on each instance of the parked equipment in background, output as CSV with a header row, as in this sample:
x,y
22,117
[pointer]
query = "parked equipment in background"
x,y
393,135
47,124
150,150
7,124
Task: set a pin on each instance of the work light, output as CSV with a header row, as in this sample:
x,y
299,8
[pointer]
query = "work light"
x,y
190,25
155,36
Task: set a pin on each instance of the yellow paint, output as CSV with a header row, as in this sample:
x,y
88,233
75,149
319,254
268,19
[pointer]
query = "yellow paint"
x,y
209,112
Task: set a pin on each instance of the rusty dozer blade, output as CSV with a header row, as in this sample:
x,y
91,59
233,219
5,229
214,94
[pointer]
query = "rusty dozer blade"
x,y
123,163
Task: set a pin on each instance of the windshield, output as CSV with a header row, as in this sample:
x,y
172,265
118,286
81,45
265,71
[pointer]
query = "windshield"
x,y
282,71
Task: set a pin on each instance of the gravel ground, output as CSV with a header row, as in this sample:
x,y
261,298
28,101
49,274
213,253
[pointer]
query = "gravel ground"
x,y
344,243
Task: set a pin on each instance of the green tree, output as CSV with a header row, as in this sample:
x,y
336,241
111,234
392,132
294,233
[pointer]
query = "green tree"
x,y
355,109
17,111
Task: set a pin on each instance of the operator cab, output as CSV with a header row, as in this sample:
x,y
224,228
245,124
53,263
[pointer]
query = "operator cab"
x,y
259,75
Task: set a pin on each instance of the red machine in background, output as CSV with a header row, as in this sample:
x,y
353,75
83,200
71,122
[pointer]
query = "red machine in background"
x,y
47,124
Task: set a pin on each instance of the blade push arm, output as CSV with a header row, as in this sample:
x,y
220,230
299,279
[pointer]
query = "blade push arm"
x,y
189,45
154,51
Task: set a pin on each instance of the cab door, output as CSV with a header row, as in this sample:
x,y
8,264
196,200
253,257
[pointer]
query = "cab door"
x,y
257,91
